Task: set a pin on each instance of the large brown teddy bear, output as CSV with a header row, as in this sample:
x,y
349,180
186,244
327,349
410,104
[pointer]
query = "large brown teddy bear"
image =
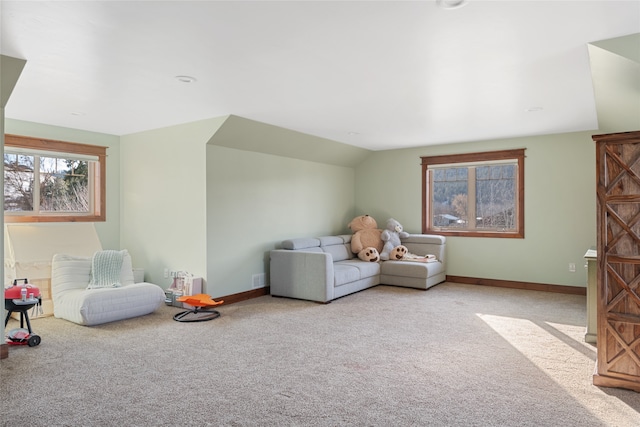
x,y
366,235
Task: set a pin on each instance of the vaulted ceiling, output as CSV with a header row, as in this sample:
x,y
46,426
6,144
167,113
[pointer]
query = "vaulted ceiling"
x,y
373,74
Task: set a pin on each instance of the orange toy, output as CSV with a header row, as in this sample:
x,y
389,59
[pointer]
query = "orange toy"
x,y
201,311
199,300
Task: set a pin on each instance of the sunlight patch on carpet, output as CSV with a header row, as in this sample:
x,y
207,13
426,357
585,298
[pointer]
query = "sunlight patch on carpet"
x,y
558,351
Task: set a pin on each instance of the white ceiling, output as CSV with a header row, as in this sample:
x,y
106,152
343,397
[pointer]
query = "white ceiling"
x,y
374,74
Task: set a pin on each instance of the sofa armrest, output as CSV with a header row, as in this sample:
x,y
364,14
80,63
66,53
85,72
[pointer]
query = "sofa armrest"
x,y
434,239
423,244
301,274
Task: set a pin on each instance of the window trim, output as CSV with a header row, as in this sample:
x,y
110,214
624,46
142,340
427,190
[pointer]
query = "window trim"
x,y
99,178
489,156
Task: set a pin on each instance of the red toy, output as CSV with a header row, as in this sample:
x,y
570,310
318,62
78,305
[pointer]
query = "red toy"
x,y
21,298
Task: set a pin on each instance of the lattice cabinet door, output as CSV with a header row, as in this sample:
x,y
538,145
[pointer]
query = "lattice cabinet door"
x,y
618,222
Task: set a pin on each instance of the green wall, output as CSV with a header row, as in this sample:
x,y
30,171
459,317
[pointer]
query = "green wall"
x,y
163,195
559,207
256,200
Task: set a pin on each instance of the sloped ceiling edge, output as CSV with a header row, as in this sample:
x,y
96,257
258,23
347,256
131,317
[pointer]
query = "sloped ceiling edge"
x,y
250,135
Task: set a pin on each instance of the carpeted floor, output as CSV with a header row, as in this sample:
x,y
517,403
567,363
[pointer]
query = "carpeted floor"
x,y
456,355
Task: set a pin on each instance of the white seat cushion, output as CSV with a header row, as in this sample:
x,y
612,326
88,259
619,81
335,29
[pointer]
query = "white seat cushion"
x,y
72,301
95,306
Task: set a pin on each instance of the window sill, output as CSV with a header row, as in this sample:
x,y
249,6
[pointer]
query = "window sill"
x,y
467,233
53,218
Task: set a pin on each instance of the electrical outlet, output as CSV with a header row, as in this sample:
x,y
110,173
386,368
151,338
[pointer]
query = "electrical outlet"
x,y
166,273
572,267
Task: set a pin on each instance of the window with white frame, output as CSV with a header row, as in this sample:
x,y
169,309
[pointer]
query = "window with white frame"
x,y
474,194
47,180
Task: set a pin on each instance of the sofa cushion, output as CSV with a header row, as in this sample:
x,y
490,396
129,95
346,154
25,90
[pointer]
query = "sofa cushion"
x,y
344,273
354,270
425,239
331,240
418,270
421,244
346,237
301,243
338,252
336,246
366,268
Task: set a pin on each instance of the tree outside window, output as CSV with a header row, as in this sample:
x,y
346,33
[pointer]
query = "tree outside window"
x,y
476,194
47,180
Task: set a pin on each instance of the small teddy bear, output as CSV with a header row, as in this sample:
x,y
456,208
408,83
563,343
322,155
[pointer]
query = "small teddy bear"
x,y
366,235
369,254
391,237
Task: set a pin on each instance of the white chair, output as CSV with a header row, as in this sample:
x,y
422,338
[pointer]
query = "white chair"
x,y
70,276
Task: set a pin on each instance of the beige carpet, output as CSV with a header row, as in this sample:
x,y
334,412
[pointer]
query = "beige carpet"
x,y
456,355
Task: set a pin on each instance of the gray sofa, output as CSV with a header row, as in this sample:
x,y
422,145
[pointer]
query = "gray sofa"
x,y
324,268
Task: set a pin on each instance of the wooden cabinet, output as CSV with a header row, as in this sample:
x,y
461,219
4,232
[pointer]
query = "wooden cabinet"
x,y
618,262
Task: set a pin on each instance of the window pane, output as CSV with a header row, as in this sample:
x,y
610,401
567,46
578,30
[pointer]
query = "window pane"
x,y
64,185
66,180
450,198
496,198
18,183
474,194
482,172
